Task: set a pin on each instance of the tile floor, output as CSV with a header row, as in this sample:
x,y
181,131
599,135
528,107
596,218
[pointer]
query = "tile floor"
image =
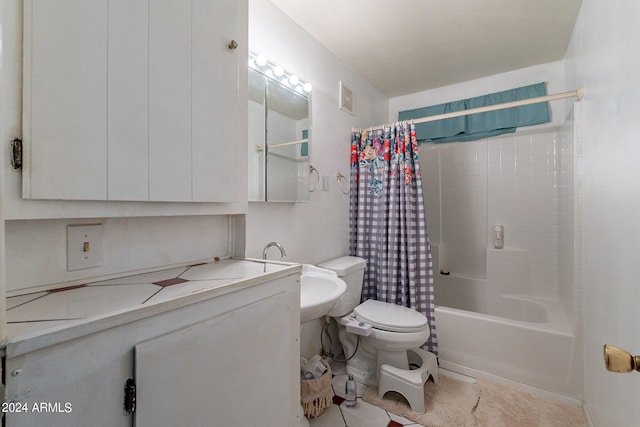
x,y
364,414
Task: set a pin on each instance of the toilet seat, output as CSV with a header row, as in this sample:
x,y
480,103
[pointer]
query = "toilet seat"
x,y
390,317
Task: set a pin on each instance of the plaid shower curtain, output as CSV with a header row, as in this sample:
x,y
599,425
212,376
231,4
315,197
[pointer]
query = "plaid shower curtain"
x,y
387,220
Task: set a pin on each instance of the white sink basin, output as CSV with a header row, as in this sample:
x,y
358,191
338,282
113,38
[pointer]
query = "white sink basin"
x,y
320,290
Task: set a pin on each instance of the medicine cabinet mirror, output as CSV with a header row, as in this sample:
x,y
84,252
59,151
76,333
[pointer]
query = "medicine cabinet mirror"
x,y
278,138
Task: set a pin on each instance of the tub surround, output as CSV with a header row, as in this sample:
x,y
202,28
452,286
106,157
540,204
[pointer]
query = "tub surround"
x,y
509,311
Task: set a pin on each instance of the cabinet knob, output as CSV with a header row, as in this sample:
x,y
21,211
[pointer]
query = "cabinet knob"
x,y
233,45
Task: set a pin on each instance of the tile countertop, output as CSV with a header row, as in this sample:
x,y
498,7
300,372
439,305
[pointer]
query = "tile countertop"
x,y
37,314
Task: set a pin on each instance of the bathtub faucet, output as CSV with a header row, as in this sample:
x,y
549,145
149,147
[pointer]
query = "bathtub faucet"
x,y
277,245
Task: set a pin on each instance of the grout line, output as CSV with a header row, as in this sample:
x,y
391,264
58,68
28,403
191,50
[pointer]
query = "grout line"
x,y
27,302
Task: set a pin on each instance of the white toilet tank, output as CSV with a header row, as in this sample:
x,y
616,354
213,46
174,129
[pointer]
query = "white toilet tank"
x,y
351,270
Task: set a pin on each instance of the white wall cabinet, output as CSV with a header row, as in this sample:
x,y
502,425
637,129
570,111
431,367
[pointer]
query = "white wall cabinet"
x,y
134,100
228,360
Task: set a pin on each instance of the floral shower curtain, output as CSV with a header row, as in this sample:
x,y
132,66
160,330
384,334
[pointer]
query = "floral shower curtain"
x,y
387,220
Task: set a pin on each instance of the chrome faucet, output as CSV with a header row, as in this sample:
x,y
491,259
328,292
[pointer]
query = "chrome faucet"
x,y
277,245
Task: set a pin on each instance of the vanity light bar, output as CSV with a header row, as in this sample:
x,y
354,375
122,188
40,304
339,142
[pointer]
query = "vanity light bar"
x,y
261,64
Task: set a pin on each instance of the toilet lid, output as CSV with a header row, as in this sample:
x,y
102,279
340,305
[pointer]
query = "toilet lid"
x,y
390,317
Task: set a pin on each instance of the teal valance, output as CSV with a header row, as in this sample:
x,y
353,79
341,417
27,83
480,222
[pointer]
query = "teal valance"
x,y
480,125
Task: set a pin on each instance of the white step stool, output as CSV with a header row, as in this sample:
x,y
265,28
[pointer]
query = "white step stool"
x,y
410,382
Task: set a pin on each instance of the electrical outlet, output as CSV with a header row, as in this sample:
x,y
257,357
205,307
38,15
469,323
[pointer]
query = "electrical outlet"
x,y
84,246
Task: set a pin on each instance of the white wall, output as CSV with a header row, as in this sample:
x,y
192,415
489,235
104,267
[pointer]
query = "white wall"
x,y
37,249
603,57
318,230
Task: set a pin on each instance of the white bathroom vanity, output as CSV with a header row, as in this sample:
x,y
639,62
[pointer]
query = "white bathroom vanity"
x,y
209,344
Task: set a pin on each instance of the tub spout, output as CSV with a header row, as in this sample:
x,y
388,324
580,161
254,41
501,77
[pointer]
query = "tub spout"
x,y
277,245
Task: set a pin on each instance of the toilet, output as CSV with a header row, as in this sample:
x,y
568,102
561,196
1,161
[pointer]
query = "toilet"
x,y
379,339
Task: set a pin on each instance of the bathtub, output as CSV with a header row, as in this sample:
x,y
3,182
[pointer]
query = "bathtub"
x,y
523,339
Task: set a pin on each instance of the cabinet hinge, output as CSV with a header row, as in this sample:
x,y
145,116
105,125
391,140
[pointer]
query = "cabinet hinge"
x,y
16,153
129,396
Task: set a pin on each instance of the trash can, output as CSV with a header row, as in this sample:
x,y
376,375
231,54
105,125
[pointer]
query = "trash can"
x,y
316,394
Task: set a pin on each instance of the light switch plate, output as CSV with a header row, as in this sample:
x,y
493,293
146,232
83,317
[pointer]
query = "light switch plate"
x,y
84,246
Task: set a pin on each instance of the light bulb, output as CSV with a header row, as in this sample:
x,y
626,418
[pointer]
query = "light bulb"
x,y
261,60
307,87
278,70
294,80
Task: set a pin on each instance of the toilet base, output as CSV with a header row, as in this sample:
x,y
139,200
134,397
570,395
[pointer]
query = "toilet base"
x,y
410,383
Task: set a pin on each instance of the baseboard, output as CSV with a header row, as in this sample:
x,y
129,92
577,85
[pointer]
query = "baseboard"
x,y
585,409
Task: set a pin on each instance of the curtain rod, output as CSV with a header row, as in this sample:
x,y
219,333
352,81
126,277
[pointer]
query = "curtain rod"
x,y
572,94
282,144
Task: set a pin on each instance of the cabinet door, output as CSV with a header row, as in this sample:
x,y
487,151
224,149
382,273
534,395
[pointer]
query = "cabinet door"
x,y
65,99
231,370
134,100
128,100
215,126
170,100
